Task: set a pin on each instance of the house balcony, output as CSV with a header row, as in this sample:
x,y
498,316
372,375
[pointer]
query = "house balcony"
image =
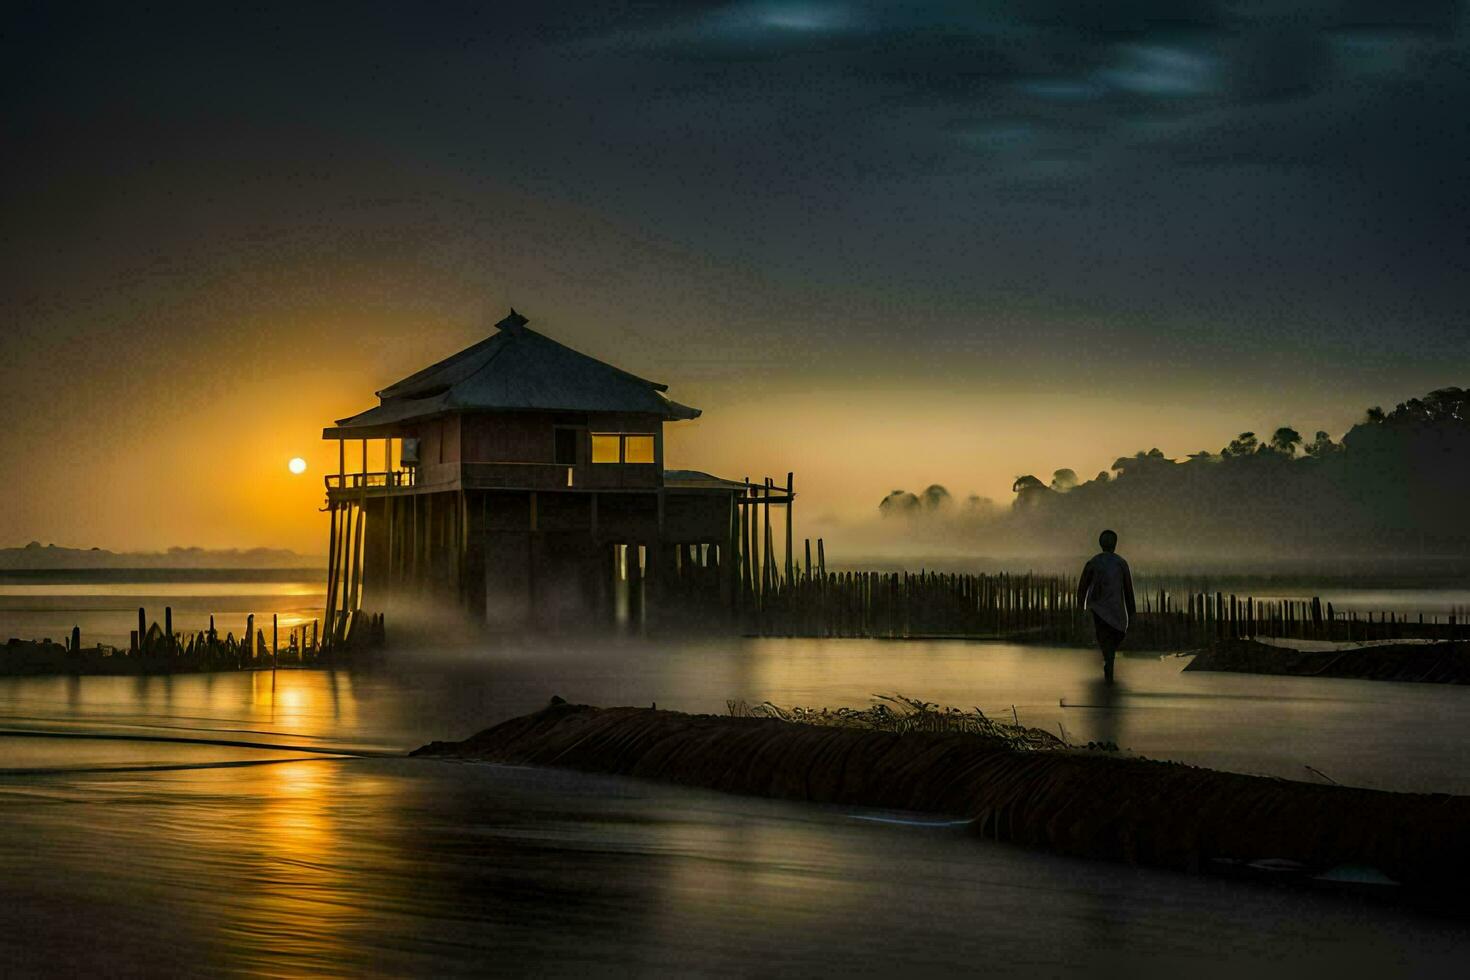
x,y
439,477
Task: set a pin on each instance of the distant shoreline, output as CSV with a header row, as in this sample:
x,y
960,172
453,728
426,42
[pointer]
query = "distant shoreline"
x,y
87,575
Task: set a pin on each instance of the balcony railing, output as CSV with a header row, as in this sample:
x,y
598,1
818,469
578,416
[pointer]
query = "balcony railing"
x,y
507,475
370,481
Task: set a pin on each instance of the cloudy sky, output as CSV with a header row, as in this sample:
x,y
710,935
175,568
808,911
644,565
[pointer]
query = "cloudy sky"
x,y
881,245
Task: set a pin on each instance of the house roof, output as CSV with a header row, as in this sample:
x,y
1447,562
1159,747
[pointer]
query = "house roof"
x,y
514,369
699,480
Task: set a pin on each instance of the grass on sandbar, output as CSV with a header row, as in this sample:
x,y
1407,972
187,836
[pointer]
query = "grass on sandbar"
x,y
901,715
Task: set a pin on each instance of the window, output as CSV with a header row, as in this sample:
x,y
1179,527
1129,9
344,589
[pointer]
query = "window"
x,y
638,449
606,448
566,446
619,447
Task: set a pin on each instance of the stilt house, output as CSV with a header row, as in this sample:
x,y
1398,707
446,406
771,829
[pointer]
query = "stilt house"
x,y
524,482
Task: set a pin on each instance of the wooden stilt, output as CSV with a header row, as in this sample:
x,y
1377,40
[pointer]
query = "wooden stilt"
x,y
331,568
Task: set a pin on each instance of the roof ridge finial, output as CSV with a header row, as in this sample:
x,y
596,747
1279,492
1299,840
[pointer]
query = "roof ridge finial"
x,y
512,323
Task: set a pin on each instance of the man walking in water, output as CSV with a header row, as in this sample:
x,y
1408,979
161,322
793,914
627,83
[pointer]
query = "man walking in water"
x,y
1106,587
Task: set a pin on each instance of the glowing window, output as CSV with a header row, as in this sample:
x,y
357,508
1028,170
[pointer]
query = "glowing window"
x,y
605,448
638,449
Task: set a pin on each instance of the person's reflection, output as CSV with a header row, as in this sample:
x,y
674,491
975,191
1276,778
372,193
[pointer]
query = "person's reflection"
x,y
1105,704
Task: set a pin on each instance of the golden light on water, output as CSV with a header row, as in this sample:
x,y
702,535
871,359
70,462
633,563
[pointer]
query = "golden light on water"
x,y
297,465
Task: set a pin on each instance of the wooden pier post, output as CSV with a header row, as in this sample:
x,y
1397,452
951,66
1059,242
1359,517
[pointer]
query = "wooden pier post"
x,y
142,630
790,556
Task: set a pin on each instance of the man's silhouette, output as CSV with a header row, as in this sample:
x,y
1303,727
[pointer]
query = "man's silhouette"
x,y
1106,587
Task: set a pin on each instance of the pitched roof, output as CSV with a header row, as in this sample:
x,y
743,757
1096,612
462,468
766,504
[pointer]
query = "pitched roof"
x,y
514,369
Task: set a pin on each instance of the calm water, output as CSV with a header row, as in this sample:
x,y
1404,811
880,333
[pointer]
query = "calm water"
x,y
307,845
107,611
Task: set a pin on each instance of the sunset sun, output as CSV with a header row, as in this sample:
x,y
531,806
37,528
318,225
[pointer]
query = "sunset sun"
x,y
297,465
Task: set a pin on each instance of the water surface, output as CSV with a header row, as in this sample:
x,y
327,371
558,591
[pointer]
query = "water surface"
x,y
349,860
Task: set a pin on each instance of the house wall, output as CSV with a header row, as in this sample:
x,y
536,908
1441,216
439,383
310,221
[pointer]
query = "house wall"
x,y
529,437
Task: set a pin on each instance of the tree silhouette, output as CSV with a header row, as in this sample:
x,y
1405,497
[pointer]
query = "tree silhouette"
x,y
1285,440
898,503
1063,480
1244,444
934,497
1321,446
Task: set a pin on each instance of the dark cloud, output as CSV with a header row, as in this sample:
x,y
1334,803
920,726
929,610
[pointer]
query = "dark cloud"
x,y
1126,159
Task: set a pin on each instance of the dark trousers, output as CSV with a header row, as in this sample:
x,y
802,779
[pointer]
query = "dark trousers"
x,y
1108,638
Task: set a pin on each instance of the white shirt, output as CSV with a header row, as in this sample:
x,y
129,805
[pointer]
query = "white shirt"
x,y
1106,587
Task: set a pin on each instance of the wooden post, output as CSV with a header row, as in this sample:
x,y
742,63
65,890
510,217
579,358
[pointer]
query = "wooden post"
x,y
168,627
766,564
76,639
275,638
790,557
341,462
142,630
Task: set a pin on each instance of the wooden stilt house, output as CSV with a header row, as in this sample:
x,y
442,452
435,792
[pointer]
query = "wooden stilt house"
x,y
524,482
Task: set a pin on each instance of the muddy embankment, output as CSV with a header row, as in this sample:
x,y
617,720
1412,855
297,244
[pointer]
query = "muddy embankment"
x,y
1073,802
1430,663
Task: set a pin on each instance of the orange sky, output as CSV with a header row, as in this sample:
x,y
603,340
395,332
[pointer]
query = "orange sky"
x,y
175,464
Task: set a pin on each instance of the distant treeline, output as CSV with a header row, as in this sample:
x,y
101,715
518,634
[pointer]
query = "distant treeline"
x,y
1395,484
37,557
